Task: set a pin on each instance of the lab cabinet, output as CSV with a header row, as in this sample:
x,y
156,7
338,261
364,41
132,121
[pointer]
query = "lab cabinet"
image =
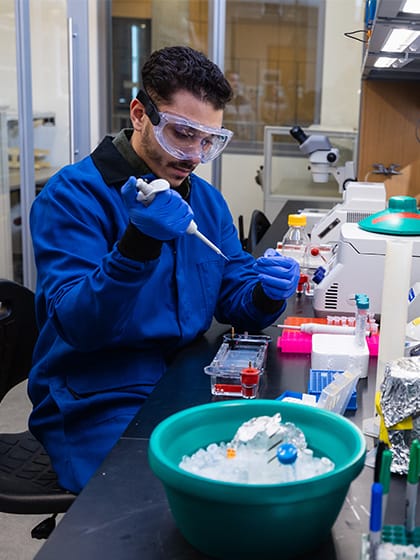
x,y
389,125
390,135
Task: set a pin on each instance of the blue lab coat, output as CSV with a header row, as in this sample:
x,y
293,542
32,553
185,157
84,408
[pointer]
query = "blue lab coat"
x,y
108,322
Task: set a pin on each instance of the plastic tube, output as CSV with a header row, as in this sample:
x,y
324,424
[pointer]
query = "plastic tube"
x,y
394,307
362,303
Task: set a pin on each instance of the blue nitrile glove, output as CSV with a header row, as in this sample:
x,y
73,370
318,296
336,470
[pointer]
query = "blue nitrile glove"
x,y
166,217
279,275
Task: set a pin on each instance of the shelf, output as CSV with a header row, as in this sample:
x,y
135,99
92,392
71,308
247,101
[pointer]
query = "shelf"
x,y
388,16
44,118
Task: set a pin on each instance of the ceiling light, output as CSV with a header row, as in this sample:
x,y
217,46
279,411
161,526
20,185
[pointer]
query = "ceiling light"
x,y
411,6
384,62
399,39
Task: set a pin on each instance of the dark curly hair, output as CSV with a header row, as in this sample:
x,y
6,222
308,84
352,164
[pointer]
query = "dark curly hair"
x,y
171,69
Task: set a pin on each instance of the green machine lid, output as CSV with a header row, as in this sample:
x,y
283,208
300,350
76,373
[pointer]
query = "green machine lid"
x,y
400,218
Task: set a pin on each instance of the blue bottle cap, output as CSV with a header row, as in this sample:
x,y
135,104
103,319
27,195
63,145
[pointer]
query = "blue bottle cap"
x,y
287,453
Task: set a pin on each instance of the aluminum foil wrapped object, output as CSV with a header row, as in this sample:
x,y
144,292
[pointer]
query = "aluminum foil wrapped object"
x,y
400,400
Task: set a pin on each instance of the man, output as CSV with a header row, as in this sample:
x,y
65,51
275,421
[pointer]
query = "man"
x,y
121,285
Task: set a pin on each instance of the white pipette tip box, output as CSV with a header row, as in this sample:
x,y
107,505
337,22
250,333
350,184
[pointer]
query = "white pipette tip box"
x,y
339,352
319,379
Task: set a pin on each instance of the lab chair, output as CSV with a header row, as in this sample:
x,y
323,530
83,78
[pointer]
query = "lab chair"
x,y
28,484
241,231
258,225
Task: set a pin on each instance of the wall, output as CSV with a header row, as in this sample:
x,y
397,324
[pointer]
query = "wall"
x,y
342,64
50,85
8,94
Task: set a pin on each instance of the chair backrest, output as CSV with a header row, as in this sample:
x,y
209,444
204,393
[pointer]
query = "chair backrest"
x,y
258,225
18,334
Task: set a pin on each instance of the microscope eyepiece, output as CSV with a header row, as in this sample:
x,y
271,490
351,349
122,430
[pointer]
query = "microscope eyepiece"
x,y
298,134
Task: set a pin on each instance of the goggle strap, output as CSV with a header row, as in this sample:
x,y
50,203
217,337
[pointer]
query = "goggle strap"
x,y
151,109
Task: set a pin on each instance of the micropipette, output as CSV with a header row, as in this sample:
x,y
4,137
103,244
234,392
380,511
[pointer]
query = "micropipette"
x,y
148,191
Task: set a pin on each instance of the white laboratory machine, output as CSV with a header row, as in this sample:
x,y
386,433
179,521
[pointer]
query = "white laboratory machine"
x,y
358,267
359,201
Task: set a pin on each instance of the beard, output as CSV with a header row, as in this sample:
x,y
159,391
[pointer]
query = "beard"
x,y
150,151
161,163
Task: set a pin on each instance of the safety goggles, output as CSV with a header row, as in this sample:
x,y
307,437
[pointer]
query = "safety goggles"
x,y
182,138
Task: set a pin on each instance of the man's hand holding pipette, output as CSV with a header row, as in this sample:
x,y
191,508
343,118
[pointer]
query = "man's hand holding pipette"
x,y
167,218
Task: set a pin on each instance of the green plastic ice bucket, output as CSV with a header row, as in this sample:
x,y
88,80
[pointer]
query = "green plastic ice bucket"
x,y
233,520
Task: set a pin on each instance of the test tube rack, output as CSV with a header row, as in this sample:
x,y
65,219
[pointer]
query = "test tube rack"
x,y
301,342
320,378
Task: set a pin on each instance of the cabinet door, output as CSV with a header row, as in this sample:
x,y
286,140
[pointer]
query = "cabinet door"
x,y
389,135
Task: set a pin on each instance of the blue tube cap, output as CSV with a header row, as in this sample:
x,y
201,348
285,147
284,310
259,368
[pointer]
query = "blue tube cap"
x,y
319,275
287,453
362,301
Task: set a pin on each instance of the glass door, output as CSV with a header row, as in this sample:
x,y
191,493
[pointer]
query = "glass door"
x,y
44,116
39,116
9,177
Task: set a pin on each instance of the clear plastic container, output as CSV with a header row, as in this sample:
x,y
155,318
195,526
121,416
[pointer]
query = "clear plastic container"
x,y
337,394
234,355
296,240
297,245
